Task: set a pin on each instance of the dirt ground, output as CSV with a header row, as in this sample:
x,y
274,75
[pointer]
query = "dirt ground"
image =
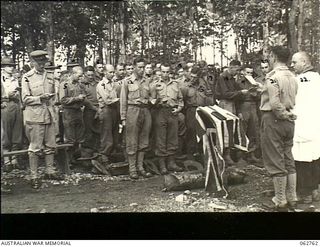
x,y
85,192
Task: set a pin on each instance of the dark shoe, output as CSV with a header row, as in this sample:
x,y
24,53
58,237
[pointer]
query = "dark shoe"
x,y
132,166
141,170
162,166
172,166
53,176
270,206
35,183
292,206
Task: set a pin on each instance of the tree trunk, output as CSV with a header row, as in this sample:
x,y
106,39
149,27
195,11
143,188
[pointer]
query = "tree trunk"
x,y
100,45
81,53
265,50
300,23
316,33
14,52
50,33
292,26
123,25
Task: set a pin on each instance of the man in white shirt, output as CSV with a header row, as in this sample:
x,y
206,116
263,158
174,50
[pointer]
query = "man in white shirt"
x,y
306,147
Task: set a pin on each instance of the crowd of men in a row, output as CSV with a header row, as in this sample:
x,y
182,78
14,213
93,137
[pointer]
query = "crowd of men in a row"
x,y
132,108
153,105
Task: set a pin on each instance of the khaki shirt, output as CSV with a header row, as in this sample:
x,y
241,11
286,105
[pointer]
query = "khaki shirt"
x,y
134,91
107,92
11,87
91,101
35,84
69,93
279,92
167,94
194,95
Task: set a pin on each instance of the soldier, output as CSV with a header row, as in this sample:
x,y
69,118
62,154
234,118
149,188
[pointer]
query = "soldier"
x,y
99,69
168,98
72,97
90,117
150,78
248,110
194,95
228,91
120,73
11,114
37,95
135,115
108,93
265,69
277,127
129,69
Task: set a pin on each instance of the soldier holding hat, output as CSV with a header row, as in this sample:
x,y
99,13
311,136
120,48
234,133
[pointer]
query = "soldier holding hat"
x,y
11,114
37,95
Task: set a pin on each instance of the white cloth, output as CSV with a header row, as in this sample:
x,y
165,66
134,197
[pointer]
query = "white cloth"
x,y
306,142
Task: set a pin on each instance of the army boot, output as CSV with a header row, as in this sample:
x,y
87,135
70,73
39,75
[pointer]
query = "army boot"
x,y
291,191
162,166
172,166
280,201
33,162
51,172
132,160
141,169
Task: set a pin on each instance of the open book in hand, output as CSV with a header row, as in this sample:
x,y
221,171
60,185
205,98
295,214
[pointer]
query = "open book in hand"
x,y
253,81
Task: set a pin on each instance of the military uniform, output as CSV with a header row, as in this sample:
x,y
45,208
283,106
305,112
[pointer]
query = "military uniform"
x,y
98,77
12,116
108,96
134,108
228,92
168,97
91,121
277,128
72,113
248,109
194,96
39,117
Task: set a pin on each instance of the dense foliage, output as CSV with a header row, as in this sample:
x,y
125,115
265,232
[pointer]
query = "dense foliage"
x,y
168,30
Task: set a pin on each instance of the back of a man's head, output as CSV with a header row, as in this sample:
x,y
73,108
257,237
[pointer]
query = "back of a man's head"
x,y
235,63
281,53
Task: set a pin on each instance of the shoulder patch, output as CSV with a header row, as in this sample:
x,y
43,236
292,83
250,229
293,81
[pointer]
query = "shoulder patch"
x,y
304,79
272,81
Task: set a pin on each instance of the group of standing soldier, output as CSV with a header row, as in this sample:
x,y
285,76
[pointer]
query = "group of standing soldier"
x,y
138,107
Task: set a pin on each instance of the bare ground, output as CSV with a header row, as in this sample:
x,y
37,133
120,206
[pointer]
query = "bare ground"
x,y
84,192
